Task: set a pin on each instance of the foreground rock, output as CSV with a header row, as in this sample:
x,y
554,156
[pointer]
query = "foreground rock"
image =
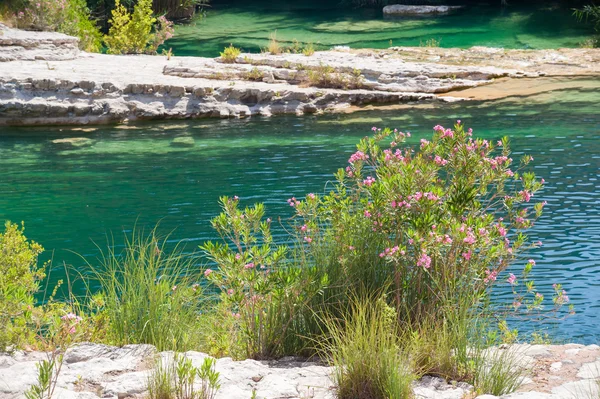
x,y
45,80
401,9
93,370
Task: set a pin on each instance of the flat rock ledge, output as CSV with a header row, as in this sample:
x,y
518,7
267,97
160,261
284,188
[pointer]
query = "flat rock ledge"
x,y
98,371
46,80
401,9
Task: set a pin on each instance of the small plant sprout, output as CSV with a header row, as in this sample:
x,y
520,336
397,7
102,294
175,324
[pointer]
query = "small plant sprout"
x,y
274,47
230,54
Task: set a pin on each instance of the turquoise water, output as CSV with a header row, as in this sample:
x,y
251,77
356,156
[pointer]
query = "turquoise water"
x,y
71,199
249,25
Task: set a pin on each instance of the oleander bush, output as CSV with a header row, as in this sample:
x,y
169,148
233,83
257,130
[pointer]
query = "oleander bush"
x,y
263,293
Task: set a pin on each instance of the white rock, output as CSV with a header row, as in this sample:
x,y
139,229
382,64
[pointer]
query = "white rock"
x,y
401,9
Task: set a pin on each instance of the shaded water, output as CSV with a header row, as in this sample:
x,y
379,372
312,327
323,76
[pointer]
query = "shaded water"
x,y
249,25
70,198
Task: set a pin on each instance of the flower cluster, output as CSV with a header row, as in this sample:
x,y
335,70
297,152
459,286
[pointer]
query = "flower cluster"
x,y
70,322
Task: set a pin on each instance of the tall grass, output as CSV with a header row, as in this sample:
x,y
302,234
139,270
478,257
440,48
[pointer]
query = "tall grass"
x,y
148,292
365,350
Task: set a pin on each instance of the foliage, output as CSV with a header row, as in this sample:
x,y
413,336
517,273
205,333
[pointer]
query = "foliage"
x,y
254,74
19,281
365,350
148,293
589,13
132,33
308,50
230,54
67,16
433,42
325,76
264,296
176,379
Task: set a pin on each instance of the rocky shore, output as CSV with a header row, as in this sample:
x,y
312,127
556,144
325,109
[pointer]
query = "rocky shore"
x,y
92,370
45,80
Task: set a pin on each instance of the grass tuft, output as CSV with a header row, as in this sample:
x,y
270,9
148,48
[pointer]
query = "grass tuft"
x,y
365,351
148,292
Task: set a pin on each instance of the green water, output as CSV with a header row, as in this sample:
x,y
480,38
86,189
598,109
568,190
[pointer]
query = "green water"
x,y
249,25
71,199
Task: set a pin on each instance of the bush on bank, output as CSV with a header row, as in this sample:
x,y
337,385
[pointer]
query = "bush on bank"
x,y
423,234
136,32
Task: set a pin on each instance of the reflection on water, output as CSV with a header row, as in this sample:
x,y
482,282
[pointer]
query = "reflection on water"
x,y
249,25
72,197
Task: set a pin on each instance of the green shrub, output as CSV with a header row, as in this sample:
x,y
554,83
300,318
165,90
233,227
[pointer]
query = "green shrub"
x,y
308,50
365,350
148,294
261,292
230,54
132,33
19,281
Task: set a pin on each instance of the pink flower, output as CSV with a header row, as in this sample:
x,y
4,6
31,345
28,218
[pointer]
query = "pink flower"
x,y
369,181
467,255
249,265
525,195
531,262
235,198
207,272
230,291
501,230
424,143
358,156
490,276
293,202
308,239
469,239
424,261
512,279
440,161
303,228
310,196
367,214
72,330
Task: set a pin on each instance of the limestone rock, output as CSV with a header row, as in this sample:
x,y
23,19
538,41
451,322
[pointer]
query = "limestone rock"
x,y
401,9
183,141
72,143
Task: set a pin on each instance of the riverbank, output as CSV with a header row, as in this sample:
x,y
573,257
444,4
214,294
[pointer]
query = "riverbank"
x,y
45,80
92,370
